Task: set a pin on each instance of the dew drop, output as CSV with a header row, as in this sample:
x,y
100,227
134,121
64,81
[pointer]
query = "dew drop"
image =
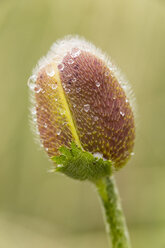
x,y
61,67
74,80
38,89
86,107
74,105
63,85
95,118
50,71
78,90
121,113
58,132
97,84
126,100
132,153
33,111
31,82
55,99
107,73
67,90
45,125
98,155
54,86
64,123
46,148
75,52
62,111
70,61
69,75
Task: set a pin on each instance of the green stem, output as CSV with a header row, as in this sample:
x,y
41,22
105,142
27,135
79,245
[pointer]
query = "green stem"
x,y
116,226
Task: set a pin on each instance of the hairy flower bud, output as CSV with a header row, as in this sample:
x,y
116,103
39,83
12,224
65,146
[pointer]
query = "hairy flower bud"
x,y
78,95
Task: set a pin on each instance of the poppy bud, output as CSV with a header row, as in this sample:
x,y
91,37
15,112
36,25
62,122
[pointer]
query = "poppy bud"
x,y
78,95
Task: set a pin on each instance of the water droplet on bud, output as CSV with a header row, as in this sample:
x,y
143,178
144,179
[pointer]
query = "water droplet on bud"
x,y
107,73
70,61
97,84
54,86
33,111
38,89
50,71
35,119
95,118
31,82
78,90
98,155
75,52
62,111
58,132
67,90
69,75
61,67
86,107
74,80
121,113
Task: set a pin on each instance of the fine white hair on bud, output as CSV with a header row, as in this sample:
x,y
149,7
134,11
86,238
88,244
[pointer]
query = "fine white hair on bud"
x,y
78,94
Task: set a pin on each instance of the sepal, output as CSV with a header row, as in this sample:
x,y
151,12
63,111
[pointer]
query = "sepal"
x,y
82,165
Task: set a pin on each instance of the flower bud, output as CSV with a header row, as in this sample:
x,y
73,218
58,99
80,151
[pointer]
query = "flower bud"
x,y
78,95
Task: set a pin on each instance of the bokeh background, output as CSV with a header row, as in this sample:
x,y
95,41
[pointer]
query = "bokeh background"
x,y
39,209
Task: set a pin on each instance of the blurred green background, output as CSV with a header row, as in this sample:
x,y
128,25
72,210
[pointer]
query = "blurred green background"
x,y
39,209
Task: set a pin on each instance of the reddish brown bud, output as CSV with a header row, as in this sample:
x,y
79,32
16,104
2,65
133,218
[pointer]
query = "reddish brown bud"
x,y
80,97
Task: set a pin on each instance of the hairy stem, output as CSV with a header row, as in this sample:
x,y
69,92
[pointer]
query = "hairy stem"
x,y
116,226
